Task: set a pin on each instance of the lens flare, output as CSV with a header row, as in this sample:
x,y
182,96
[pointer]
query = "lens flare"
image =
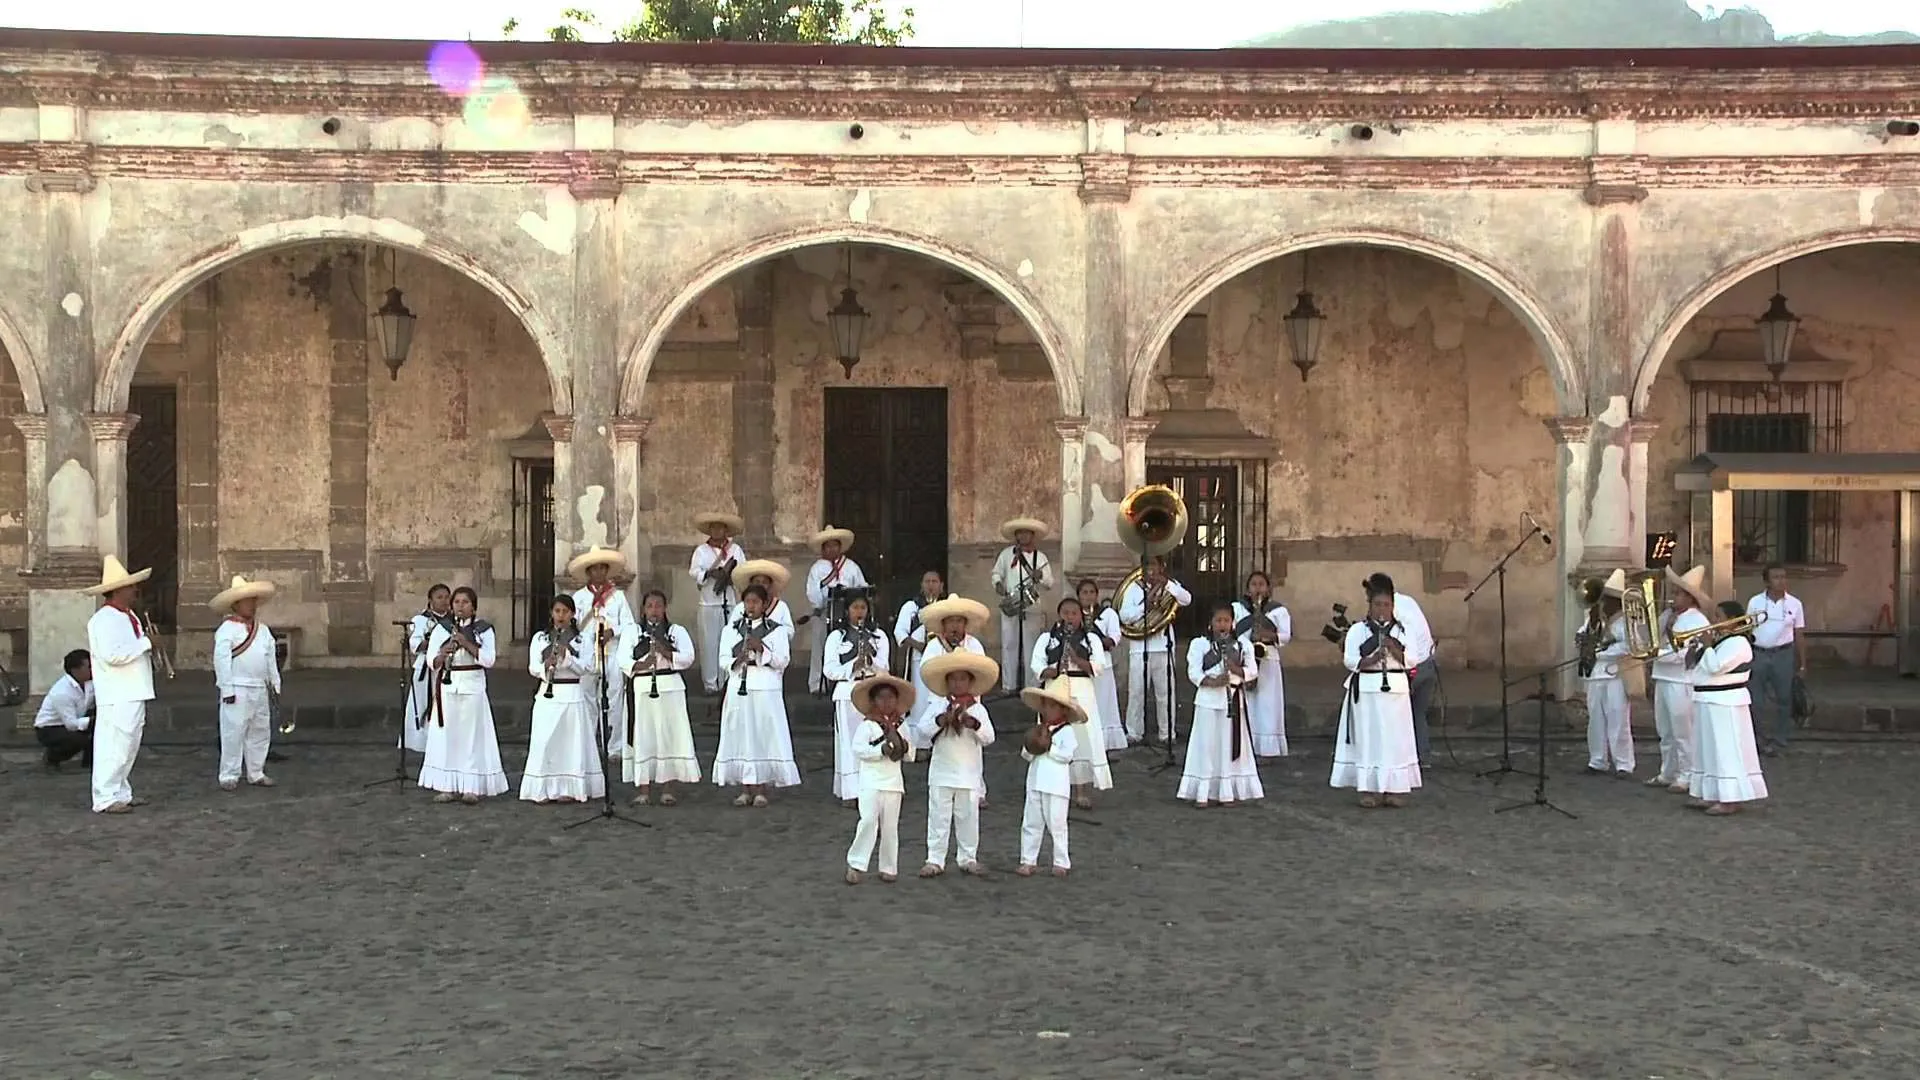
x,y
456,68
497,109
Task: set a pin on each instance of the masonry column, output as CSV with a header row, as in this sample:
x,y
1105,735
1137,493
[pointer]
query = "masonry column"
x,y
348,586
753,435
586,506
1072,431
1614,191
560,429
1573,434
1105,188
629,447
65,493
1639,433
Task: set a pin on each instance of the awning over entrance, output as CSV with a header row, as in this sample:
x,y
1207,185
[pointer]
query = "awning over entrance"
x,y
1713,478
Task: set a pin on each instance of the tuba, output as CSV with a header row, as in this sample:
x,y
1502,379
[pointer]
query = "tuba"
x,y
1640,609
1152,521
1591,637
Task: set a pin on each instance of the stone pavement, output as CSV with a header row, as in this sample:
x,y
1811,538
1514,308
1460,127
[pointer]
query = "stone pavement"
x,y
323,930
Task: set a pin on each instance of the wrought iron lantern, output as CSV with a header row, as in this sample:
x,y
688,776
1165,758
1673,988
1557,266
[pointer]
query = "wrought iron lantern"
x,y
848,321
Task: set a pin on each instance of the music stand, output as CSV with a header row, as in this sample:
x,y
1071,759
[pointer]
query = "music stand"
x,y
399,776
604,735
1499,573
1020,631
1540,764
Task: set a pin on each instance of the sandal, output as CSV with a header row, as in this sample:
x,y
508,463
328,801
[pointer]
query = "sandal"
x,y
1395,801
667,798
888,879
1025,870
1059,872
1082,802
743,799
443,797
930,870
853,876
1368,802
643,799
1722,810
759,801
973,869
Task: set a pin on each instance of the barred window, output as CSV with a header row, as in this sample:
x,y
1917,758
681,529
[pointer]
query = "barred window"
x,y
1227,527
1797,528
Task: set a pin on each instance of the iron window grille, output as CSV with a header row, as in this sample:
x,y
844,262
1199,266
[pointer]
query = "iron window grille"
x,y
1795,528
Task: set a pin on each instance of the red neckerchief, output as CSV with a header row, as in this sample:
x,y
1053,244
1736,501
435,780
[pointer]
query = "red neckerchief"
x,y
1054,726
600,593
888,721
833,575
966,700
721,545
135,620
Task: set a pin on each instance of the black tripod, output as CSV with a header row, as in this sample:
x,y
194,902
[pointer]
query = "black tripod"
x,y
1149,717
605,735
399,776
1499,573
1540,749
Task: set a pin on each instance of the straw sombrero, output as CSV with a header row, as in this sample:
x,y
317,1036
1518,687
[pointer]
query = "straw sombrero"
x,y
114,576
734,525
845,536
1019,525
1616,584
744,574
935,671
596,556
240,590
862,697
1694,583
1034,695
940,611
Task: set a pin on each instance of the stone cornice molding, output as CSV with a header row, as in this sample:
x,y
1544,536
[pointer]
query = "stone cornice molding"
x,y
60,167
560,427
631,429
1138,429
110,427
1071,428
32,425
1106,178
1642,431
1570,430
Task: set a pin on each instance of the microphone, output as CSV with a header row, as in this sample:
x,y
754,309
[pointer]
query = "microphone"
x,y
1545,536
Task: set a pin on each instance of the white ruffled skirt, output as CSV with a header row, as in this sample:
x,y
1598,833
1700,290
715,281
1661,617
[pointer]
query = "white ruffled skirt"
x,y
1089,764
1374,751
1212,773
756,746
1726,766
662,750
563,752
463,753
1267,708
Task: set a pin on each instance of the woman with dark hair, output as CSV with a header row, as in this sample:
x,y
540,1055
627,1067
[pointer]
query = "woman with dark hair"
x,y
1263,623
1068,659
653,652
1726,765
1104,621
413,732
563,753
463,753
756,747
856,650
1374,751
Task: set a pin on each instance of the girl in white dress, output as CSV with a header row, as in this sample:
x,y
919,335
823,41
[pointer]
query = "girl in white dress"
x,y
1725,771
463,754
1105,622
1220,766
413,734
910,637
1374,751
652,653
772,577
1067,659
756,747
855,651
563,749
1266,695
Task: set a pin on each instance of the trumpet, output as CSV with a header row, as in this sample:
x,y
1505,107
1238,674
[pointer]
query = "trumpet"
x,y
286,716
162,663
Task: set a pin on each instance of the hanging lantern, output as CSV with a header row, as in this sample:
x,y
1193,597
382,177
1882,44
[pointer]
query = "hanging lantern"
x,y
848,321
1777,328
395,325
1304,326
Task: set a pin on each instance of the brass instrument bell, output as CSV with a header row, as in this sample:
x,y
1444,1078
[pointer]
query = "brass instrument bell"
x,y
1152,521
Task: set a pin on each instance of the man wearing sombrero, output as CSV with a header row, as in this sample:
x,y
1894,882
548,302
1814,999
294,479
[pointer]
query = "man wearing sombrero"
x,y
832,573
122,650
246,668
1021,576
1673,688
713,565
603,614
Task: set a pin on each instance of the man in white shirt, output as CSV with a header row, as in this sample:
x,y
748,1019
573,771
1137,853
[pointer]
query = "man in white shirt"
x,y
122,644
712,569
1149,662
1673,683
64,725
246,668
1423,675
1021,572
1779,654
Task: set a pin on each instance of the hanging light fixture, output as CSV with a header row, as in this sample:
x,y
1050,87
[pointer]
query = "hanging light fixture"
x,y
848,321
1304,325
394,323
1777,328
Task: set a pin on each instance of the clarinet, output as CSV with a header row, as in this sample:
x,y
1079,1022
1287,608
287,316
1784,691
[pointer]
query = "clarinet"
x,y
653,673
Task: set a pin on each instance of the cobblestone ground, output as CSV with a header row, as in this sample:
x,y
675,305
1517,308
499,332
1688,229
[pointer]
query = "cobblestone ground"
x,y
319,930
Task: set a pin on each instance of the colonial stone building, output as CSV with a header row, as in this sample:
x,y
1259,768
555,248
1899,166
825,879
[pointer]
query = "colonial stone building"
x,y
1539,276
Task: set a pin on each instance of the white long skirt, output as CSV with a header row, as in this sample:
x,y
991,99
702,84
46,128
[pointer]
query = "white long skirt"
x,y
463,754
413,734
1089,765
1212,773
662,750
755,745
1374,749
1267,708
1113,732
563,752
1726,767
846,767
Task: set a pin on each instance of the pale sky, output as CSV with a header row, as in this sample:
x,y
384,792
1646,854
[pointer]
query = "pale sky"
x,y
1051,23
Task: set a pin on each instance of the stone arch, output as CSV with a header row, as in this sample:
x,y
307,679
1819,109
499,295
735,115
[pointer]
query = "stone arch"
x,y
1547,335
1696,299
639,361
24,367
116,375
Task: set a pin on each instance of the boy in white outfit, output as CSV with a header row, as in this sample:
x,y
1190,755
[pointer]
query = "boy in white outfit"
x,y
956,725
246,667
880,746
1049,755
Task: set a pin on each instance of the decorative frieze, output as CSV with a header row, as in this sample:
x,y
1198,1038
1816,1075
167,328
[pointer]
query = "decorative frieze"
x,y
61,167
1106,178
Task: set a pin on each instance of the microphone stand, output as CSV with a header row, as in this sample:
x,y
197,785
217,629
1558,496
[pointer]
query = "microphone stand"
x,y
399,777
1150,717
1499,572
607,812
1540,750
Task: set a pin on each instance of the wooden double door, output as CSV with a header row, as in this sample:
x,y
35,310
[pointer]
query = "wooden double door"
x,y
886,480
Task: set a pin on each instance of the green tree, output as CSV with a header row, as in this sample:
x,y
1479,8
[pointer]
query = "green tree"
x,y
816,22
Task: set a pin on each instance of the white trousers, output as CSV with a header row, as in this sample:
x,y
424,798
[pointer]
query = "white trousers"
x,y
879,821
1016,647
953,811
1155,665
1609,726
816,681
1673,719
1045,814
713,619
246,728
116,742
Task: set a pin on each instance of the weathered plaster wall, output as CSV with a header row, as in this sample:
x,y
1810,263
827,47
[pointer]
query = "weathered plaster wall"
x,y
13,514
1858,314
1419,437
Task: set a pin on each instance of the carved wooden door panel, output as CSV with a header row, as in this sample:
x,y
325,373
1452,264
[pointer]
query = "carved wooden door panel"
x,y
153,498
886,479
